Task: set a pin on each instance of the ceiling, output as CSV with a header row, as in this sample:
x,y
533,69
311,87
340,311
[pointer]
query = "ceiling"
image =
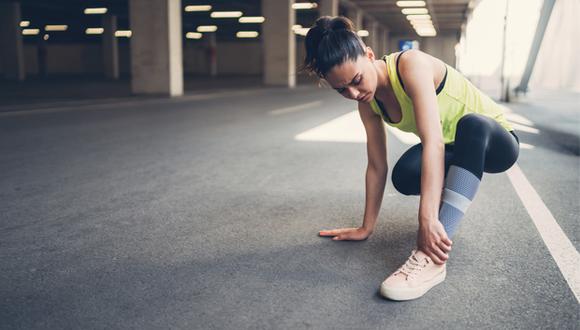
x,y
447,16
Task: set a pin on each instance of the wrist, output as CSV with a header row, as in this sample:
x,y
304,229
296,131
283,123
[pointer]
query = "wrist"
x,y
425,220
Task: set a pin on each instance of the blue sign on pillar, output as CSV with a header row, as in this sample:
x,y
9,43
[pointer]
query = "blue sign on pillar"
x,y
408,44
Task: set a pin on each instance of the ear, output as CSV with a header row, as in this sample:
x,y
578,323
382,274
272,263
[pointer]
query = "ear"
x,y
370,54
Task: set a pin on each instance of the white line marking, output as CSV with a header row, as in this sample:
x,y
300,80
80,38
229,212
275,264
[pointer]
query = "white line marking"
x,y
560,247
295,108
514,117
114,103
524,128
526,146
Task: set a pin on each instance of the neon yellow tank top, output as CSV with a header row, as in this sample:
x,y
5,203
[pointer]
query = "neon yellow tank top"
x,y
457,98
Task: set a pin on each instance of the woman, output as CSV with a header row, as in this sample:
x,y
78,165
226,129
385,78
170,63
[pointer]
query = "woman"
x,y
463,134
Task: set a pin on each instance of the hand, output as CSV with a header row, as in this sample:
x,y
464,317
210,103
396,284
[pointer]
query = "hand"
x,y
432,239
347,234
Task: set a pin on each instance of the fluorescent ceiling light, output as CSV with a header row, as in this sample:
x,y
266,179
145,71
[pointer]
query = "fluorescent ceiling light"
x,y
198,8
304,5
193,35
206,28
301,31
363,33
411,3
30,32
418,17
24,23
95,11
226,14
94,31
247,34
56,27
252,19
411,11
427,33
123,33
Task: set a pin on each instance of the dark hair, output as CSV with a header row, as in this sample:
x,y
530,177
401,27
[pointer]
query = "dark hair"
x,y
331,41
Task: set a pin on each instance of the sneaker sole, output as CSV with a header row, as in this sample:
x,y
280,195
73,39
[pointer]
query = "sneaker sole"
x,y
412,293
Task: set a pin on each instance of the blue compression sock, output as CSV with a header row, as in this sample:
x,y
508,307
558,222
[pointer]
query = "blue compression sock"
x,y
460,188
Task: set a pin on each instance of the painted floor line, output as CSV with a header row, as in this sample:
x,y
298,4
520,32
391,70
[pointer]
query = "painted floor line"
x,y
114,103
295,108
560,247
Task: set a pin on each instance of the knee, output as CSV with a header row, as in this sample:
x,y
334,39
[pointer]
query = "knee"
x,y
473,124
406,180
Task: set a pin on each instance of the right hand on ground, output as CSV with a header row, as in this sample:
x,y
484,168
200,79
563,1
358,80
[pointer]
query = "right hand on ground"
x,y
346,234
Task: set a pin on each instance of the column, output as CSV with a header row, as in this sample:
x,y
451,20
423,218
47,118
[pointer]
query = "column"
x,y
328,8
156,49
372,39
279,43
11,49
110,48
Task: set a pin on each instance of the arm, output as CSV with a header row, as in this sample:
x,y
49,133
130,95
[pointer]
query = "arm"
x,y
376,176
377,168
417,72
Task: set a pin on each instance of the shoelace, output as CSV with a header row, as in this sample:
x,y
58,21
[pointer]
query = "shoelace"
x,y
412,266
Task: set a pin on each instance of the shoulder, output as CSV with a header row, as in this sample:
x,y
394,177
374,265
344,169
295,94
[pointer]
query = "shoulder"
x,y
413,58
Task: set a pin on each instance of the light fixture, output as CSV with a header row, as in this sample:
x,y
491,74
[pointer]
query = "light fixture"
x,y
411,3
419,17
198,8
30,32
247,34
95,11
411,11
94,31
363,33
252,19
123,33
304,5
193,35
206,28
45,37
24,23
427,33
61,27
226,14
301,31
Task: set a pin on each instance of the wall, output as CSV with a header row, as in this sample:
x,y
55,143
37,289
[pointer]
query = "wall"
x,y
558,64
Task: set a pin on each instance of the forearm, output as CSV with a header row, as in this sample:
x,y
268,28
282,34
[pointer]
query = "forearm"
x,y
432,178
376,178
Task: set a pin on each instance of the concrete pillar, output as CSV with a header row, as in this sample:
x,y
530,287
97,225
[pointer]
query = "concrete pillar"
x,y
279,43
211,53
372,39
156,48
356,16
11,49
328,8
110,48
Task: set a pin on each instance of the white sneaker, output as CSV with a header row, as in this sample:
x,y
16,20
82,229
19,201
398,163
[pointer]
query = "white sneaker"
x,y
414,278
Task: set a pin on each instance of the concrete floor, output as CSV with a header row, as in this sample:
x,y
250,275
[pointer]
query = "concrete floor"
x,y
203,213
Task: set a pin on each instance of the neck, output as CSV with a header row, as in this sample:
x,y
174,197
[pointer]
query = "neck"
x,y
382,77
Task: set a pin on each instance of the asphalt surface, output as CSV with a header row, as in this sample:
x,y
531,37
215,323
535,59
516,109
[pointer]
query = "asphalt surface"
x,y
203,213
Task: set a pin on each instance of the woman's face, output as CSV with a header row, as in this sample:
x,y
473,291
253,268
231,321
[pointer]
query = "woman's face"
x,y
355,80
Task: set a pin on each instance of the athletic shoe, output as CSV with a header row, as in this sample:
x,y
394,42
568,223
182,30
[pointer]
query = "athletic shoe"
x,y
414,278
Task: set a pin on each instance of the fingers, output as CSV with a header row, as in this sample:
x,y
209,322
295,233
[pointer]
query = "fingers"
x,y
333,232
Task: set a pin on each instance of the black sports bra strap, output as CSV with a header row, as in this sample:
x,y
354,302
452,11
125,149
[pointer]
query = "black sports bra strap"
x,y
398,74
